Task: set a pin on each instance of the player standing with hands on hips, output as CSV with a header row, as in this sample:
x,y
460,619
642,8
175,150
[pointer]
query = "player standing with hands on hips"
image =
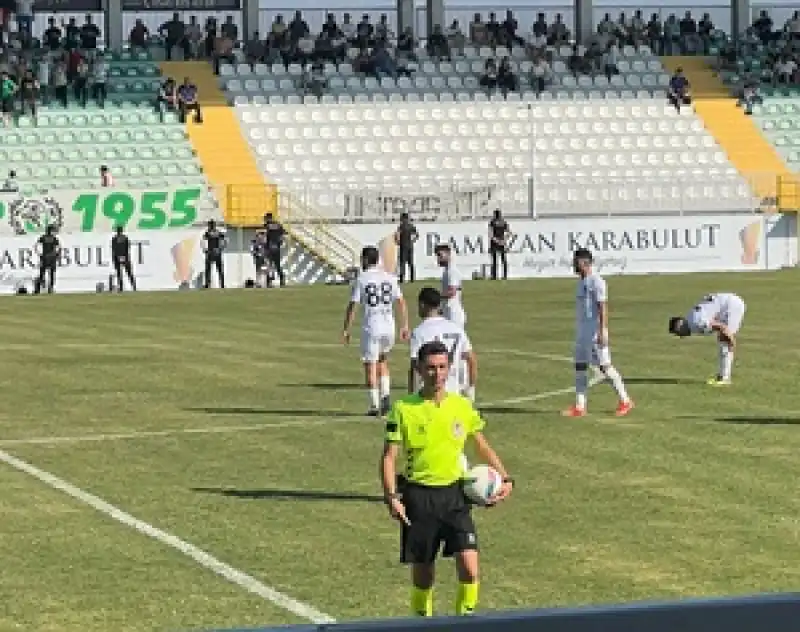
x,y
121,255
48,247
431,427
452,309
275,233
213,245
722,314
405,237
591,339
499,232
376,291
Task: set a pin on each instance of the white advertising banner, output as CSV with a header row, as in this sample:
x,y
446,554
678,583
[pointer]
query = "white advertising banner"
x,y
162,260
621,245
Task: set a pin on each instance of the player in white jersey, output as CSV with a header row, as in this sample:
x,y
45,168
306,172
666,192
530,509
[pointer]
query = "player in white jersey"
x,y
722,314
376,291
591,339
435,327
452,309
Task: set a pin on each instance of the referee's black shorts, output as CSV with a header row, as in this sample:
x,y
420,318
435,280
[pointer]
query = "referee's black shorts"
x,y
438,515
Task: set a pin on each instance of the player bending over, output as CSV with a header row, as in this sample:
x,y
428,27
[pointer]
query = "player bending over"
x,y
376,291
591,339
716,313
435,327
432,427
452,309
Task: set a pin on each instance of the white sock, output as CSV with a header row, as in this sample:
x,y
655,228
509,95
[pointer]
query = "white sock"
x,y
374,398
616,381
725,361
386,385
581,386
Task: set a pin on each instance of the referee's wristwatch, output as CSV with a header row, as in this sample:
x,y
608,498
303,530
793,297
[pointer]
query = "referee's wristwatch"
x,y
393,496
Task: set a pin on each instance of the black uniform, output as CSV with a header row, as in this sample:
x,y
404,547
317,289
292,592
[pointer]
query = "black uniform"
x,y
215,245
48,262
498,227
121,255
275,233
405,236
258,248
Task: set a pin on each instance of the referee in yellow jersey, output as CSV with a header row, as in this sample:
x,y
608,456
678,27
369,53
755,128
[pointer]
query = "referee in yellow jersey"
x,y
432,427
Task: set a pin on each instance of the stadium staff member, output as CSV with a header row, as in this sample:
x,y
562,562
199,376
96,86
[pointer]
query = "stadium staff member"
x,y
405,237
499,232
432,426
275,233
213,245
48,247
258,248
121,255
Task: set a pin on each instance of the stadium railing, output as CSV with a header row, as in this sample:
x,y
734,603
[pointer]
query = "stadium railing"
x,y
778,612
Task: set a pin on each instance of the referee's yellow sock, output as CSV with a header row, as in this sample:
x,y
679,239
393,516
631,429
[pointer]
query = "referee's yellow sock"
x,y
467,599
422,601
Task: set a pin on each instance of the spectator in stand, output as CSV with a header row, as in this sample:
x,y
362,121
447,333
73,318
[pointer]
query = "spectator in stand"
x,y
25,19
223,53
174,33
81,82
277,39
678,91
793,26
298,28
655,34
61,81
690,39
89,36
706,31
383,31
750,97
507,81
29,93
672,36
305,50
455,38
52,35
188,101
537,42
365,31
494,29
611,60
382,62
211,34
100,70
558,32
541,74
330,28
106,179
763,27
349,30
255,51
194,35
139,35
328,50
43,71
489,78
508,30
637,29
539,27
478,33
229,29
314,81
167,99
407,45
8,92
72,35
438,47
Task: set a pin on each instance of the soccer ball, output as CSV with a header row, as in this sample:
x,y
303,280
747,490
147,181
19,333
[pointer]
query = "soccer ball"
x,y
481,482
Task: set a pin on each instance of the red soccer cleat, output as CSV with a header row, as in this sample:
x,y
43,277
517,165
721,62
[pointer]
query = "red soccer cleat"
x,y
624,408
574,411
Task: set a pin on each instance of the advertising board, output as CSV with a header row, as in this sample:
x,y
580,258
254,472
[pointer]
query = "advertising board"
x,y
162,260
621,245
101,210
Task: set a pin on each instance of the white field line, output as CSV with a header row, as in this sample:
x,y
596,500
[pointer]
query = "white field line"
x,y
210,430
204,559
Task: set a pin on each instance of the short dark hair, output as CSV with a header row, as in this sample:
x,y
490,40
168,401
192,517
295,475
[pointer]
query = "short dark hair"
x,y
441,248
435,347
370,255
583,253
430,297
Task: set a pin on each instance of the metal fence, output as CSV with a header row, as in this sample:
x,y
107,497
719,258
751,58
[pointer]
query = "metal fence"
x,y
473,197
761,613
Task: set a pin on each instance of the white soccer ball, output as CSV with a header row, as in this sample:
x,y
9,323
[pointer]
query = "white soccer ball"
x,y
482,482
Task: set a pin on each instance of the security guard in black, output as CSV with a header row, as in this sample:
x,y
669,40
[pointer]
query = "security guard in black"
x,y
405,236
121,256
498,245
214,246
49,249
275,234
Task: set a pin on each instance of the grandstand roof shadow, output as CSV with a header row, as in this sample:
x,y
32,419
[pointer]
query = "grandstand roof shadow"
x,y
765,420
247,410
659,380
289,494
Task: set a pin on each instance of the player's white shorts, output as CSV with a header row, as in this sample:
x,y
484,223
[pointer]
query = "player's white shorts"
x,y
734,315
373,346
587,351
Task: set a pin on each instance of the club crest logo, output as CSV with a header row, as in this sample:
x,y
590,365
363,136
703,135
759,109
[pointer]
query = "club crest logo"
x,y
32,215
458,429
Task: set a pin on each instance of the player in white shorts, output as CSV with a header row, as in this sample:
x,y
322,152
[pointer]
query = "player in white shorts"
x,y
591,339
435,327
452,309
376,291
722,314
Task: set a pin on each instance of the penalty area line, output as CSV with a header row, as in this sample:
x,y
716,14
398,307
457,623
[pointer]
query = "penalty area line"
x,y
201,557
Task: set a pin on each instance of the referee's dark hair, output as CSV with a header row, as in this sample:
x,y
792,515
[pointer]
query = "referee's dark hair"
x,y
435,347
583,254
429,298
441,248
370,256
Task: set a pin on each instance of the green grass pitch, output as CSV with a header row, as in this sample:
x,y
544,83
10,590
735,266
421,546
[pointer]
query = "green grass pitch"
x,y
232,420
